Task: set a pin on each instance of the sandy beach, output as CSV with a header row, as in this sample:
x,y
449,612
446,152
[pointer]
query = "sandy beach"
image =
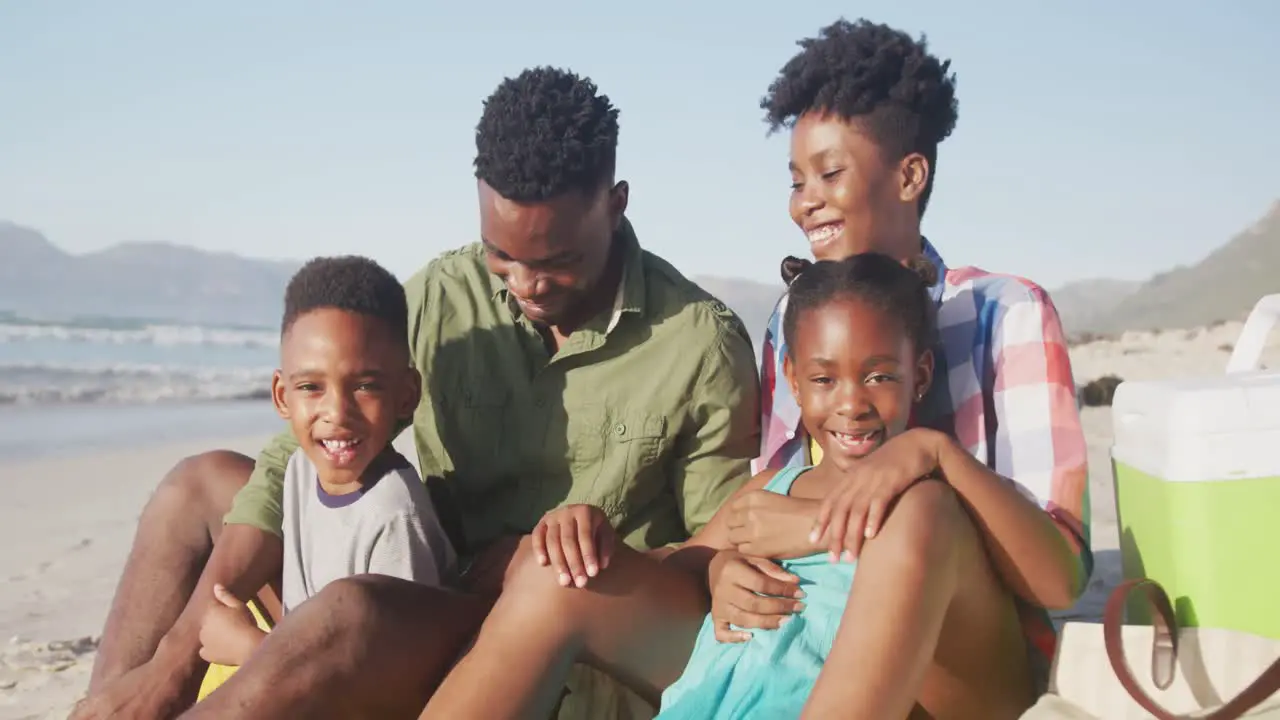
x,y
67,527
69,521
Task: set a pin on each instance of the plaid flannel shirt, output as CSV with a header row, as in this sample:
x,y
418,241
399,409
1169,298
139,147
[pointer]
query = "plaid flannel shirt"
x,y
1002,388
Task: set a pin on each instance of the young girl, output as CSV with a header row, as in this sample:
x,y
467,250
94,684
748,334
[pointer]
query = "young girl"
x,y
859,360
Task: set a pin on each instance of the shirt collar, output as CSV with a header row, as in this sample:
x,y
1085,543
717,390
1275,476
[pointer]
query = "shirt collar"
x,y
931,254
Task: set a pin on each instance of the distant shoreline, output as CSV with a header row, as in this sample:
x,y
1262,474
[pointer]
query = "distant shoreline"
x,y
111,322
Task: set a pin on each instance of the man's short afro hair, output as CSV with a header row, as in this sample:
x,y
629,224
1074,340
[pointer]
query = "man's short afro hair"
x,y
877,77
349,282
545,132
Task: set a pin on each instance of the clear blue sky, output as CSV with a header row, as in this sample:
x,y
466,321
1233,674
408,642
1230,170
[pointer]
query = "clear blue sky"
x,y
1095,138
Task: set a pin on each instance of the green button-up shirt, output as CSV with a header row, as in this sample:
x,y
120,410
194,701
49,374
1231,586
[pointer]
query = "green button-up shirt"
x,y
649,411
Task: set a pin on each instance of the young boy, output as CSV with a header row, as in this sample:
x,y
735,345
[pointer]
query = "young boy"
x,y
352,504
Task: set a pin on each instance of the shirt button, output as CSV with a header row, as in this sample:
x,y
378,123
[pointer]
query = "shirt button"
x,y
619,429
791,434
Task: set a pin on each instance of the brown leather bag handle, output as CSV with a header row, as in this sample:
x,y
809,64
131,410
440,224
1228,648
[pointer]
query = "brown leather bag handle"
x,y
1164,655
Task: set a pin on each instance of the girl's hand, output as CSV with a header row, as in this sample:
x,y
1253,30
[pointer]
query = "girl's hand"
x,y
854,511
765,524
750,592
577,540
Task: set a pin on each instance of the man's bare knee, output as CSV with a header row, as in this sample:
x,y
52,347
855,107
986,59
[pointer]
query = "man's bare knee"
x,y
349,602
535,586
202,486
532,592
362,606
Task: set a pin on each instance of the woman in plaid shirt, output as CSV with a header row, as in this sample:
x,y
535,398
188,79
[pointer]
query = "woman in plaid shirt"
x,y
867,107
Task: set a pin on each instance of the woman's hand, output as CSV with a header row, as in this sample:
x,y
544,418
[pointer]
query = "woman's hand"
x,y
577,540
766,524
750,592
853,511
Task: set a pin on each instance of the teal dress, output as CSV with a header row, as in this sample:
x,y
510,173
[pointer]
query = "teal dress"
x,y
771,675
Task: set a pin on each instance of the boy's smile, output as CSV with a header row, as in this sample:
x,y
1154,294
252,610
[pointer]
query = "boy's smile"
x,y
340,451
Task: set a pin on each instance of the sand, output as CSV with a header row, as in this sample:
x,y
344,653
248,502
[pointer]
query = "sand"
x,y
1164,355
67,525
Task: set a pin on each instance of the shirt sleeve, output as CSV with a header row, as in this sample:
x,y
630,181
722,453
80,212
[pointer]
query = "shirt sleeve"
x,y
724,425
260,503
772,434
1039,441
404,549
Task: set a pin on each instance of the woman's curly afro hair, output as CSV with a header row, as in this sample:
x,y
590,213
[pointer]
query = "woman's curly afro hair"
x,y
877,77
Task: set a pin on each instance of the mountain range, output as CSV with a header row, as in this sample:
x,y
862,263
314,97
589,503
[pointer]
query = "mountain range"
x,y
1223,286
147,280
164,281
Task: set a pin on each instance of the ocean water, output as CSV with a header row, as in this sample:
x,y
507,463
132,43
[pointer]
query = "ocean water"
x,y
98,383
49,363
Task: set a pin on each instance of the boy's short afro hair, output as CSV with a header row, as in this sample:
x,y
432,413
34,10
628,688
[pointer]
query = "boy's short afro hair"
x,y
545,132
876,77
349,282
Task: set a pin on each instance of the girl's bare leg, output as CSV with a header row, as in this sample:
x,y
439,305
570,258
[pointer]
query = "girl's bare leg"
x,y
637,621
929,630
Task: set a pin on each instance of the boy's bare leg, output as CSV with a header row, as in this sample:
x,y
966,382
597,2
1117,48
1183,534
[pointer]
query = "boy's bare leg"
x,y
929,630
174,538
370,646
636,620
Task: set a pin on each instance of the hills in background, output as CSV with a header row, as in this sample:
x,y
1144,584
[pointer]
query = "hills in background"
x,y
1223,286
164,281
152,280
1081,304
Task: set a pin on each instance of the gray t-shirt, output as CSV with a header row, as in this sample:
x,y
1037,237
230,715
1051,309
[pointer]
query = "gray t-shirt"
x,y
388,527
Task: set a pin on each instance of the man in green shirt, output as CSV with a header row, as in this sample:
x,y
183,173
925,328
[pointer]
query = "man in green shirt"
x,y
561,364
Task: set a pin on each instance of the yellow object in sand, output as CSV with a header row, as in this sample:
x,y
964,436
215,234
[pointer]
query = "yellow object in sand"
x,y
218,674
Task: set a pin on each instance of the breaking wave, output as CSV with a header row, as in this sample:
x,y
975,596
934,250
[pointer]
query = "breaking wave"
x,y
48,384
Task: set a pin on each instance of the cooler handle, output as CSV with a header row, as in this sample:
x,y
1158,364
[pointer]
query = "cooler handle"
x,y
1253,337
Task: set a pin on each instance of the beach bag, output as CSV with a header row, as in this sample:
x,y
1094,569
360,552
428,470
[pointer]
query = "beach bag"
x,y
1203,673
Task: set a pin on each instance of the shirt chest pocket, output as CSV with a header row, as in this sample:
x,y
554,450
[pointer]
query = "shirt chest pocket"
x,y
620,454
478,442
